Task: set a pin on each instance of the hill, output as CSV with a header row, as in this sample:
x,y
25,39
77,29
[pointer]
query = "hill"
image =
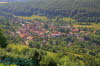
x,y
11,0
81,10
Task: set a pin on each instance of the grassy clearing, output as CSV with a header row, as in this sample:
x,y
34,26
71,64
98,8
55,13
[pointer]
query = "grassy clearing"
x,y
93,25
7,65
75,54
34,17
44,18
68,19
17,46
52,54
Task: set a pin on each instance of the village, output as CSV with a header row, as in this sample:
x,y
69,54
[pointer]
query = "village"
x,y
34,29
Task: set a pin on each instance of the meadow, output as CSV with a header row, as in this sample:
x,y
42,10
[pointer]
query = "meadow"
x,y
45,19
92,25
65,19
34,17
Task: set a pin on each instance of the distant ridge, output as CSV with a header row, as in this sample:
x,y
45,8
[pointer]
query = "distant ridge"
x,y
81,10
11,0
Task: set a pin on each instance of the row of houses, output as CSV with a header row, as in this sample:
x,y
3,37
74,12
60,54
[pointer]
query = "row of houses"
x,y
27,29
32,30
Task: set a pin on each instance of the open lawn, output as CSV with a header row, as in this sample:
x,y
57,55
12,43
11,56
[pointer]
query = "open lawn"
x,y
93,25
34,17
68,19
17,46
45,19
7,65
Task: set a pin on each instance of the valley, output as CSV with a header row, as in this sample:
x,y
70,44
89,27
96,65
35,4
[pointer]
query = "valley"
x,y
49,33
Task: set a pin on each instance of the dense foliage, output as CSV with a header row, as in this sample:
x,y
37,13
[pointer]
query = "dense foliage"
x,y
81,10
11,0
3,42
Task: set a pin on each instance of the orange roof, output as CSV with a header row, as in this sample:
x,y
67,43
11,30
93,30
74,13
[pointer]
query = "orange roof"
x,y
29,37
21,35
75,30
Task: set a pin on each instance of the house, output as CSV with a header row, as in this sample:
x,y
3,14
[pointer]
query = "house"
x,y
56,33
69,44
53,28
75,30
63,27
29,38
27,42
80,38
22,35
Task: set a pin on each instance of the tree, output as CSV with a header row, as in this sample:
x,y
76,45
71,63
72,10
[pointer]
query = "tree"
x,y
48,61
36,55
3,42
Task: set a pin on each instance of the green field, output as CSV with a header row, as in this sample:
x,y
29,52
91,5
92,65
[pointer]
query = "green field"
x,y
7,65
44,18
34,17
92,25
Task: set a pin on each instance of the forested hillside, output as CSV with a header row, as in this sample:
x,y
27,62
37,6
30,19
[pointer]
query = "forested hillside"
x,y
81,10
11,0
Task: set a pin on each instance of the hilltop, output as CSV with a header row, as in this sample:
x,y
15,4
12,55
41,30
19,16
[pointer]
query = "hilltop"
x,y
81,10
11,0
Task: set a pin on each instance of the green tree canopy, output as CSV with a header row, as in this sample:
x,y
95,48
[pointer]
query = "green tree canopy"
x,y
3,42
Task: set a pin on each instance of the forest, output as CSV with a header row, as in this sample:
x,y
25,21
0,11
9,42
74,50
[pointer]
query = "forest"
x,y
81,10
